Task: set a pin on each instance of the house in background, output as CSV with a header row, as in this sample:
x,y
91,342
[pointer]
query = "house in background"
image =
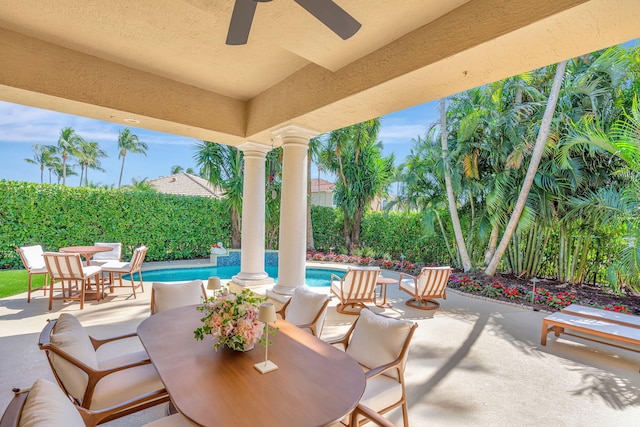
x,y
185,184
322,193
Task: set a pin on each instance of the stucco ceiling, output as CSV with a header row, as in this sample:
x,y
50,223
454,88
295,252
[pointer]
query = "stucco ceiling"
x,y
165,63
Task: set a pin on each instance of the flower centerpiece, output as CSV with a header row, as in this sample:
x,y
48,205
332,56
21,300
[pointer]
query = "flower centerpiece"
x,y
232,319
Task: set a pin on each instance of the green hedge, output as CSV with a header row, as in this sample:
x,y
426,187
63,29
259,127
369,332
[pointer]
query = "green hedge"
x,y
54,216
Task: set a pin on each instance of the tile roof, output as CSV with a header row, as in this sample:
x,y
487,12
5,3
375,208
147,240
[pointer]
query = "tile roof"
x,y
318,184
185,184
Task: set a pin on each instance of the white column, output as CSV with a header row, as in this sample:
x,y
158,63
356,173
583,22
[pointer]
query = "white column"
x,y
252,256
293,208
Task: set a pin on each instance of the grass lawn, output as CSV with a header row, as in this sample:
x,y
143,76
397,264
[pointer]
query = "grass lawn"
x,y
13,282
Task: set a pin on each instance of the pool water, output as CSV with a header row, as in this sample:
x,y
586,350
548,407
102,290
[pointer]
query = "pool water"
x,y
315,277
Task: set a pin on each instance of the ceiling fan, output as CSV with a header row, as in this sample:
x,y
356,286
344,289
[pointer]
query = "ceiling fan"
x,y
326,11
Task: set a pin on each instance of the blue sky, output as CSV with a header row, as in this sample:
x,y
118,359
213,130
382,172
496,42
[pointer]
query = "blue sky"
x,y
22,126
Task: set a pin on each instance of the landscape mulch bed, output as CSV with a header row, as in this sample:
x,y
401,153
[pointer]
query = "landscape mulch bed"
x,y
597,295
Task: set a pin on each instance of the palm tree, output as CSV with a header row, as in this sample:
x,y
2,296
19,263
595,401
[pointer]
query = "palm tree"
x,y
176,169
315,144
89,154
129,143
68,142
451,198
222,165
141,185
44,156
536,156
353,153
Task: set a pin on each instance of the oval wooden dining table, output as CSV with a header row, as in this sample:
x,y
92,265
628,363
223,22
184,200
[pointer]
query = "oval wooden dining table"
x,y
87,252
315,384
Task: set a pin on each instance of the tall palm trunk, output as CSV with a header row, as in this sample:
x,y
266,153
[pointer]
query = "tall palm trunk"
x,y
121,170
453,209
536,156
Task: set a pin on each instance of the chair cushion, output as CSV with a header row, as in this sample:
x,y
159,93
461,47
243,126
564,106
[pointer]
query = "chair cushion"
x,y
176,294
124,385
304,306
408,285
69,336
113,255
34,256
47,406
117,266
377,340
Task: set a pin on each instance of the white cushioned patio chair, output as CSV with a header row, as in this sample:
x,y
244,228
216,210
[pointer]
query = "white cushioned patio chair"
x,y
45,404
116,269
380,344
33,260
122,385
430,283
168,295
306,309
68,269
114,254
355,288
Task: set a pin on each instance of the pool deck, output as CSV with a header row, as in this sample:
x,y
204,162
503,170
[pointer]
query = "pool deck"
x,y
472,362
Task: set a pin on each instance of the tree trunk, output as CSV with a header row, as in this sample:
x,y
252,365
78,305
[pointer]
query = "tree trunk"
x,y
493,243
121,170
453,209
236,235
536,156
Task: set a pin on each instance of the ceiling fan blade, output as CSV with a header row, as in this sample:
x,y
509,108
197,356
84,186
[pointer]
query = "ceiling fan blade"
x,y
333,16
241,20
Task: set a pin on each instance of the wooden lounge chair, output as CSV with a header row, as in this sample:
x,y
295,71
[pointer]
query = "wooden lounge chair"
x,y
113,269
306,309
355,288
68,269
121,385
593,324
430,283
33,260
380,344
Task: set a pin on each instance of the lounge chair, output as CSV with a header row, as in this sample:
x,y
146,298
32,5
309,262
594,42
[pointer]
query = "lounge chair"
x,y
430,283
355,288
33,260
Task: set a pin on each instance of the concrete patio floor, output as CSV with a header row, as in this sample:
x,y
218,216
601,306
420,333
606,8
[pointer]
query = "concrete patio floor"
x,y
472,362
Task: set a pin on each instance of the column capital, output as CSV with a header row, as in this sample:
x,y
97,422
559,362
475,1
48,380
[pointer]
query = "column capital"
x,y
254,148
293,133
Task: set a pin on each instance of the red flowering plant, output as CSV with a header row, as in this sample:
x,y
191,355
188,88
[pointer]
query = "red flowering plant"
x,y
561,300
467,284
493,289
513,292
618,308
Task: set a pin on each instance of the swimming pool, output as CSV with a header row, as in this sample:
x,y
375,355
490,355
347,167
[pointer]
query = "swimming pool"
x,y
315,277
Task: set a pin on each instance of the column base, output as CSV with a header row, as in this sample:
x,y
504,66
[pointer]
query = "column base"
x,y
253,280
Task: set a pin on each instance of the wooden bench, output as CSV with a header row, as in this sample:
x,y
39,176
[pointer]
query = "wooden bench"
x,y
602,326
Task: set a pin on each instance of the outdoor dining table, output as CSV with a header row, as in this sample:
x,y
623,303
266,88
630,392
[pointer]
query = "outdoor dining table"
x,y
87,252
315,384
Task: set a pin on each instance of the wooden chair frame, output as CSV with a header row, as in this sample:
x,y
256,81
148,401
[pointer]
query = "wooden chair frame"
x,y
436,279
398,364
362,289
31,272
135,267
61,267
94,376
312,326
